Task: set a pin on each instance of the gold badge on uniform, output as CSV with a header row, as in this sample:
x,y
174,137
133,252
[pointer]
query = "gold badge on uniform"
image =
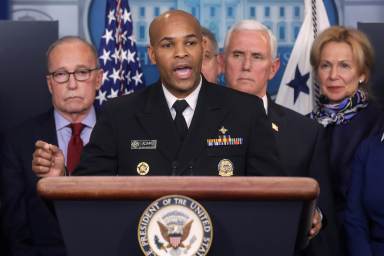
x,y
142,168
275,127
225,167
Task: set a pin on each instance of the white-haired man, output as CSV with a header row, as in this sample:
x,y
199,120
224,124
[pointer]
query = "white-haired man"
x,y
250,62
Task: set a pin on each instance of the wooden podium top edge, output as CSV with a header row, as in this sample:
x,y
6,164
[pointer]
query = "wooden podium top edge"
x,y
152,187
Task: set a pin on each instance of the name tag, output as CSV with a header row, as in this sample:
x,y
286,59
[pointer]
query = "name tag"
x,y
143,144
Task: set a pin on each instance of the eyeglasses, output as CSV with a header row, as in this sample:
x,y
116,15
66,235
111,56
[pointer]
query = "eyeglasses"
x,y
80,75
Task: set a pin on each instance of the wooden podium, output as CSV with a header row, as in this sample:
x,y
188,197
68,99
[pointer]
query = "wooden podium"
x,y
250,215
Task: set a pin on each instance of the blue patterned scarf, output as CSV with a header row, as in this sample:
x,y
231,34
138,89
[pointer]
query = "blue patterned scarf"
x,y
342,112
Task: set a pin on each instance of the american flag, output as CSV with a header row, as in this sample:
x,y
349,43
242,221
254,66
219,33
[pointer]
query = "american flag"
x,y
118,55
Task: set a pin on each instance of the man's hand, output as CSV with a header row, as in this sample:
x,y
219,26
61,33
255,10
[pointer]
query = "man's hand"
x,y
48,160
316,224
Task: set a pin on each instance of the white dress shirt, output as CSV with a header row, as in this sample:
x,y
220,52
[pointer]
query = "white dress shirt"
x,y
265,103
191,100
64,132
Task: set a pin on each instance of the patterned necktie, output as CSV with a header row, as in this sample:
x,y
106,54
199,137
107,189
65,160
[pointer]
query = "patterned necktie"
x,y
181,125
75,146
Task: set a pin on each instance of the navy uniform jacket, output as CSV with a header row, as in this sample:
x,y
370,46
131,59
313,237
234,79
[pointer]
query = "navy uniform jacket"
x,y
364,216
144,118
30,226
303,153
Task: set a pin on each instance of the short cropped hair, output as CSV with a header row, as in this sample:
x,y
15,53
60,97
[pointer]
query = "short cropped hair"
x,y
67,39
362,49
208,34
256,26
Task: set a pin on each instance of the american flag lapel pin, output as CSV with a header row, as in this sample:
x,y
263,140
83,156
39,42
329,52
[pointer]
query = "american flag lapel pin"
x,y
275,127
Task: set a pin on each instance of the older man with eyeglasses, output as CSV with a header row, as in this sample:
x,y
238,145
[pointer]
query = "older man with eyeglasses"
x,y
73,79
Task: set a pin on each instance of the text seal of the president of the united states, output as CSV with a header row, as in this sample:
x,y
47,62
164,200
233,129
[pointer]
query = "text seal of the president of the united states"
x,y
175,225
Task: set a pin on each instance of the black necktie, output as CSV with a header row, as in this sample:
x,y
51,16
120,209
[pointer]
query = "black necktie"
x,y
181,125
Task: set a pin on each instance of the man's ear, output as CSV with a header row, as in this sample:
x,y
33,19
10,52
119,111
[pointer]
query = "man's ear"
x,y
220,62
274,68
49,83
151,54
99,78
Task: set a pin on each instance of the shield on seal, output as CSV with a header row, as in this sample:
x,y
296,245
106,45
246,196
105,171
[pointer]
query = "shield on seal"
x,y
175,241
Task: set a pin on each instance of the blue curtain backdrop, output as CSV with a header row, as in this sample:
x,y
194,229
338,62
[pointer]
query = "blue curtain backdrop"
x,y
4,9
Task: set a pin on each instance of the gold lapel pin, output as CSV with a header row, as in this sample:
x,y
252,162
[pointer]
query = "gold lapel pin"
x,y
275,127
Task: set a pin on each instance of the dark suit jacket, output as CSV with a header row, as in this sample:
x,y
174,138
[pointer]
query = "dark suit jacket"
x,y
302,151
364,216
30,227
343,141
145,116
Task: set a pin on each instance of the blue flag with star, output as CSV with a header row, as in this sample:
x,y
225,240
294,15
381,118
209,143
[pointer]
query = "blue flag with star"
x,y
297,89
118,55
299,84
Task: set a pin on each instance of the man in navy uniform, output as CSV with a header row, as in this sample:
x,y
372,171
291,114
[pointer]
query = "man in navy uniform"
x,y
179,126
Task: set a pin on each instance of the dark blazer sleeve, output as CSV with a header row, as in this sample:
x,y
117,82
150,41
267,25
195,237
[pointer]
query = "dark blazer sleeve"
x,y
319,170
327,242
14,203
304,153
30,226
356,219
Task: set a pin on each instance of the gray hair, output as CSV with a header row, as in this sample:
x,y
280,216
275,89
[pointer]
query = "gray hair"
x,y
256,26
67,39
208,34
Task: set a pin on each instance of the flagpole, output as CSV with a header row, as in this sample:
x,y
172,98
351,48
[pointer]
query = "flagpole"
x,y
298,89
315,85
119,43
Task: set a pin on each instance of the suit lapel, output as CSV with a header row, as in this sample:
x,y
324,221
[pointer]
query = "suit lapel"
x,y
208,116
47,128
43,129
157,121
276,116
279,128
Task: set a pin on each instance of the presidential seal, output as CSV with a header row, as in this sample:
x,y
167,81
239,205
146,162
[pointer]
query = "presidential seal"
x,y
176,226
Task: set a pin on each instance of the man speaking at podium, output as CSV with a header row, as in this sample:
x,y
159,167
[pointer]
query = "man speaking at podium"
x,y
179,126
